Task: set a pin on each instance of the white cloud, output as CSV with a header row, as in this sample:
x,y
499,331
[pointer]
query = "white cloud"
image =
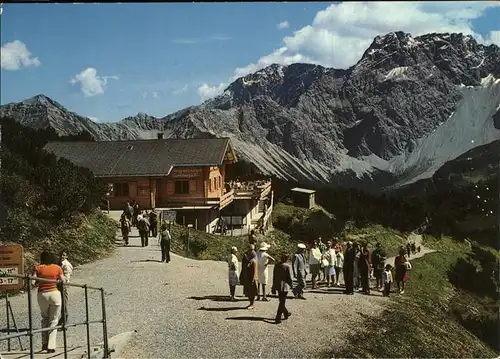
x,y
155,94
91,84
340,33
15,55
181,90
283,25
92,118
495,37
205,92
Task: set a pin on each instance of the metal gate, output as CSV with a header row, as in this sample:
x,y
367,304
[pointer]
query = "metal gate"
x,y
31,331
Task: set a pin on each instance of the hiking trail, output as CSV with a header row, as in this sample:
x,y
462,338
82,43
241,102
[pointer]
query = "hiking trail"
x,y
180,309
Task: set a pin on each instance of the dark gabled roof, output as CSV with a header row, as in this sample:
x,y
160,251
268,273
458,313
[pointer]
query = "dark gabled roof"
x,y
141,157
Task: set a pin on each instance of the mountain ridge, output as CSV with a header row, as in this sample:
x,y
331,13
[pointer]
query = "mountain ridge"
x,y
377,119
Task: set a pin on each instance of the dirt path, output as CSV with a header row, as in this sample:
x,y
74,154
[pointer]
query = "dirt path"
x,y
417,238
180,310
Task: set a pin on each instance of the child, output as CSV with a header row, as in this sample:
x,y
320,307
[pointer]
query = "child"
x,y
387,279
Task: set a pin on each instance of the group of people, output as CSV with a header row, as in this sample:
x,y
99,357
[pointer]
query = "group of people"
x,y
146,223
349,262
50,295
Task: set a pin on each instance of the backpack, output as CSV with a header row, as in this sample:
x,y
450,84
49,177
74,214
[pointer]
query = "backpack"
x,y
143,226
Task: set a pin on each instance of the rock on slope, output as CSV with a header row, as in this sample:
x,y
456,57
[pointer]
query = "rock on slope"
x,y
408,106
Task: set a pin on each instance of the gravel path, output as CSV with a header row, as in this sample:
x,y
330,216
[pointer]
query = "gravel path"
x,y
180,310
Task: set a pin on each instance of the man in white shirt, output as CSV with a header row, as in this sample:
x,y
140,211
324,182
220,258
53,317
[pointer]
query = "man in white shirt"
x,y
314,262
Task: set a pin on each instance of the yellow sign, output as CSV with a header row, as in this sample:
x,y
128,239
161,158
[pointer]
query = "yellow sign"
x,y
11,262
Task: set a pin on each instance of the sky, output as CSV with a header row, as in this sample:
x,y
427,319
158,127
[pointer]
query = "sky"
x,y
110,61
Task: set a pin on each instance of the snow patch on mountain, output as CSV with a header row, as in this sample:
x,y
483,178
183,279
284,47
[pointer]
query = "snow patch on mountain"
x,y
471,125
396,73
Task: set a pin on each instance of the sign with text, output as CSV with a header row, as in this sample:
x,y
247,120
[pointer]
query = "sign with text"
x,y
169,216
186,172
11,262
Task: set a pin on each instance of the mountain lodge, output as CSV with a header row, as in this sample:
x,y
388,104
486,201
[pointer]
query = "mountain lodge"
x,y
182,175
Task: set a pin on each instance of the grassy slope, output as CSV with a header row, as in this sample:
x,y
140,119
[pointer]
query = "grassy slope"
x,y
86,238
207,246
424,322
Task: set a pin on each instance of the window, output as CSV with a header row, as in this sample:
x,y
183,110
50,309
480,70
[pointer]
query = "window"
x,y
181,187
220,181
215,184
120,189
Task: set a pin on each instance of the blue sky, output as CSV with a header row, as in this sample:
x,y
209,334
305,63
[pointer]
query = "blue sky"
x,y
110,61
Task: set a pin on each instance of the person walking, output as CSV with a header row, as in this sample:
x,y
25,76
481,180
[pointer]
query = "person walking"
x,y
378,261
387,279
67,268
249,275
401,264
49,298
233,268
129,211
339,264
263,259
165,241
364,265
314,263
329,257
153,223
125,227
299,271
282,283
143,227
349,259
136,212
356,274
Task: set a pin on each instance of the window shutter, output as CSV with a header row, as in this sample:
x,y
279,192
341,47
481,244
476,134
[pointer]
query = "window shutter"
x,y
170,188
192,186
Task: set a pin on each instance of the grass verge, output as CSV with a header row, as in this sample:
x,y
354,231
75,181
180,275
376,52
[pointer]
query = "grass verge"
x,y
436,317
85,237
206,246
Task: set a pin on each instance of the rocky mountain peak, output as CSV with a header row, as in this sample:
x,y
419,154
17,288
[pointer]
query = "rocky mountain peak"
x,y
41,100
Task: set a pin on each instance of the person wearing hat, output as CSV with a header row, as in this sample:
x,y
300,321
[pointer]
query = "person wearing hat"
x,y
233,265
282,283
299,270
165,240
263,259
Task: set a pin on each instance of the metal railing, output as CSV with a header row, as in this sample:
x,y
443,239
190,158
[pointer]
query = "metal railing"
x,y
31,331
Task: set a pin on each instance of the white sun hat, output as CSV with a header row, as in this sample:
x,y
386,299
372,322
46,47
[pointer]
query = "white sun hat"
x,y
264,247
301,245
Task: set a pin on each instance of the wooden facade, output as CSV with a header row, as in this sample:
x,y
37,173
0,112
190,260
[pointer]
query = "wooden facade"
x,y
184,186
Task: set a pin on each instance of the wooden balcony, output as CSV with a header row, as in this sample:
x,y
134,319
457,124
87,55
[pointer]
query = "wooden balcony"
x,y
252,191
187,202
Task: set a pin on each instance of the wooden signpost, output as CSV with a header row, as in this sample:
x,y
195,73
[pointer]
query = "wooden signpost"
x,y
11,262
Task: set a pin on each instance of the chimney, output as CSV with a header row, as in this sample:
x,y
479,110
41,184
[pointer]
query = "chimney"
x,y
160,135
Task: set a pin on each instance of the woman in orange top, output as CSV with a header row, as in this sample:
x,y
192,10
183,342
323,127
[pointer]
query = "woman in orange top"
x,y
49,298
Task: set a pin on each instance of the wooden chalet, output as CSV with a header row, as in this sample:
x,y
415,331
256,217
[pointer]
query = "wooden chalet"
x,y
184,175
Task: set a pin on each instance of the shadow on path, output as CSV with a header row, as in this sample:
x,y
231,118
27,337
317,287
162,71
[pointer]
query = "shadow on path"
x,y
222,309
253,319
325,291
215,298
146,260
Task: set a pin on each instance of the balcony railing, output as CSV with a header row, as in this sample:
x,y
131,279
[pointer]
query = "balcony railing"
x,y
254,189
222,201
